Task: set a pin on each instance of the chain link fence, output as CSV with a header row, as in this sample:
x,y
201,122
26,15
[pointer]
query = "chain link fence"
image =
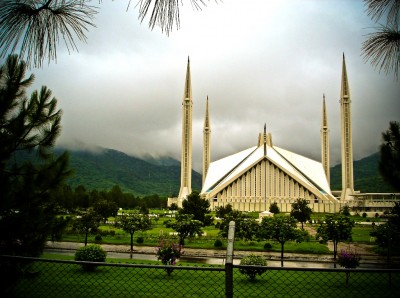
x,y
56,278
36,277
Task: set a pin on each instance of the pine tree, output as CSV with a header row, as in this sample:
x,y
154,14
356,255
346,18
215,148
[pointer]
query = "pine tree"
x,y
27,207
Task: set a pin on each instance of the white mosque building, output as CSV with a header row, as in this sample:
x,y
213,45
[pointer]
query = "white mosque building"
x,y
253,179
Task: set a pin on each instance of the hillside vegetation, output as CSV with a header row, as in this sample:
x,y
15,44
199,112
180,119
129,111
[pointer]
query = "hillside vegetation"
x,y
366,176
105,168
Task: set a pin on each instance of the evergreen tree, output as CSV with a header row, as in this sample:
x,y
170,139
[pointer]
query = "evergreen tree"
x,y
27,207
301,211
389,163
196,206
382,47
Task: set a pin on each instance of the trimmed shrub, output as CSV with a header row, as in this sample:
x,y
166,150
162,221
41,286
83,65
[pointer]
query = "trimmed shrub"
x,y
268,246
253,260
91,253
98,239
139,240
218,243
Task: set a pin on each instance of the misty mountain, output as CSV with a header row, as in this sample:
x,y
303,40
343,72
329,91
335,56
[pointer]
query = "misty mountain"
x,y
103,169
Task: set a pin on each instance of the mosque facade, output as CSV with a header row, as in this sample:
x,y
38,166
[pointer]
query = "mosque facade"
x,y
254,178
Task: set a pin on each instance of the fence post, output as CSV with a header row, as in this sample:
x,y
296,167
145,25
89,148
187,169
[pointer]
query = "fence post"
x,y
229,261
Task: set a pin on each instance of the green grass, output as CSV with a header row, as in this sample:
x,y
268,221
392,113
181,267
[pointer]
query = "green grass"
x,y
69,280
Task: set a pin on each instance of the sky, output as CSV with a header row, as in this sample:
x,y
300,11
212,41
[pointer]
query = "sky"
x,y
257,61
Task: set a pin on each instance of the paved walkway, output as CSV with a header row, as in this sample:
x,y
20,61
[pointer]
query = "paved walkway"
x,y
214,253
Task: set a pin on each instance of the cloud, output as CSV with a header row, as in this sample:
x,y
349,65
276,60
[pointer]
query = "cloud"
x,y
268,62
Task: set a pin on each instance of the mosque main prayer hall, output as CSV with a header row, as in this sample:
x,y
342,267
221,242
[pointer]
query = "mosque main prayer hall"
x,y
254,178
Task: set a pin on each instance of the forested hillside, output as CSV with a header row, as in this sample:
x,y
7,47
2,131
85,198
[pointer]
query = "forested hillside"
x,y
143,177
366,176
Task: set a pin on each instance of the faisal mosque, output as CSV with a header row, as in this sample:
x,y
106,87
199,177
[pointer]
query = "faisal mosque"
x,y
253,179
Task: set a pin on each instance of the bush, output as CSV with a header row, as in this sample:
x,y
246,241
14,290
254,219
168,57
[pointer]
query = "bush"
x,y
218,243
253,260
98,239
139,240
90,253
268,246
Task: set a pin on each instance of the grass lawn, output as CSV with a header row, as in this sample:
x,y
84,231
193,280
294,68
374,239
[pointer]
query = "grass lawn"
x,y
112,235
69,280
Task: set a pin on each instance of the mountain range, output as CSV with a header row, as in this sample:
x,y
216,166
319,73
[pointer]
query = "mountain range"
x,y
105,168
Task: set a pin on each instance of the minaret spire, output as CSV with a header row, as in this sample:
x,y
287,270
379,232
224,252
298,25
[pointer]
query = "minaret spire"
x,y
186,158
346,137
265,139
325,141
206,142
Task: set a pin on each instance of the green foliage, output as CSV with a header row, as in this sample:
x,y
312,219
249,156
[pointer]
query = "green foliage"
x,y
132,222
246,227
90,253
102,170
87,222
280,229
185,226
349,259
273,208
345,210
139,240
267,246
98,239
301,211
28,208
252,260
337,228
168,252
222,211
389,163
196,206
218,243
366,176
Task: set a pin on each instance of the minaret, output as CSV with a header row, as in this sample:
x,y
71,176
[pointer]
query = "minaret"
x,y
346,137
186,158
325,142
206,143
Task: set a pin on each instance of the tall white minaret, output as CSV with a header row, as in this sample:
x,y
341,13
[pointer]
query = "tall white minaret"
x,y
206,143
346,137
186,158
325,142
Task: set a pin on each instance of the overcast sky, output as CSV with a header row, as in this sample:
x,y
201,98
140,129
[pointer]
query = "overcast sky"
x,y
258,62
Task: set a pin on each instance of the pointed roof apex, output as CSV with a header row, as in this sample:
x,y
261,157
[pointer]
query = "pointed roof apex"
x,y
188,60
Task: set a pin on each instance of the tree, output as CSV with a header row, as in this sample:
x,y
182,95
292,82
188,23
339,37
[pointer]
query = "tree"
x,y
186,226
383,46
301,211
280,229
132,222
222,211
387,235
105,209
389,163
246,227
34,27
27,206
197,206
273,208
87,222
337,228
